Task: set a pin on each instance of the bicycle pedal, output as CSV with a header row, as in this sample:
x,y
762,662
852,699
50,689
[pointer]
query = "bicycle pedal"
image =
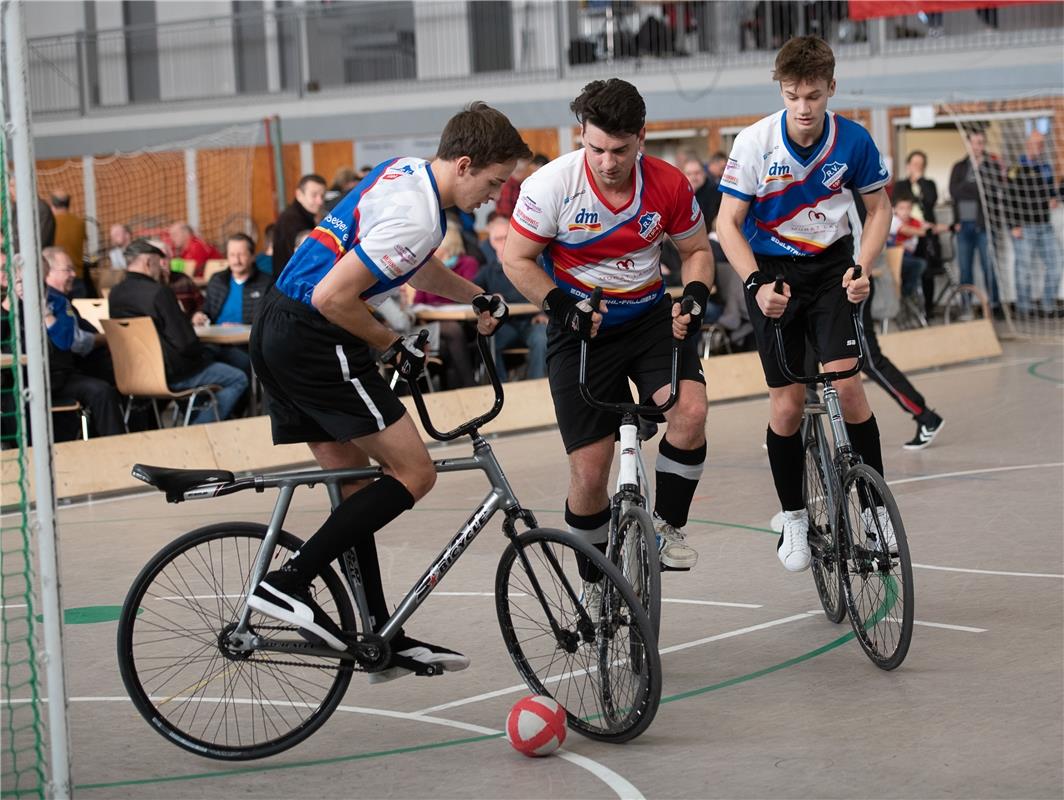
x,y
665,568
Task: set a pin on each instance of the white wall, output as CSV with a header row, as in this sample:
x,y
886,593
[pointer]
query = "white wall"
x,y
111,54
53,18
441,31
195,61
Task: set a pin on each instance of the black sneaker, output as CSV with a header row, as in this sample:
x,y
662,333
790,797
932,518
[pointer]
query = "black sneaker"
x,y
925,432
419,651
283,596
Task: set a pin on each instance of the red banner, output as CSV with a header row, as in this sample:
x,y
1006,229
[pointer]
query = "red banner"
x,y
869,9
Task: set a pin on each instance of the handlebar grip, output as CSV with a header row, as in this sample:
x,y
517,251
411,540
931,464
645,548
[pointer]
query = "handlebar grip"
x,y
857,269
422,340
687,305
596,298
779,284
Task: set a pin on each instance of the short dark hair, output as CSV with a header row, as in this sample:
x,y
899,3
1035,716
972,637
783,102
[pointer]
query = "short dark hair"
x,y
805,58
61,200
267,234
915,153
141,247
540,160
615,106
312,178
483,134
240,237
720,155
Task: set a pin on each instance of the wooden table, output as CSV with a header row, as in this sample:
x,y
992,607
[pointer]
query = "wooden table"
x,y
224,334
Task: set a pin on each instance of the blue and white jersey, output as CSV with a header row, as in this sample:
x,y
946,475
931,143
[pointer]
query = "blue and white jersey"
x,y
392,219
799,207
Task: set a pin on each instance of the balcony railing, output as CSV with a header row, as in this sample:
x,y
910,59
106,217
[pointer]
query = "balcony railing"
x,y
399,45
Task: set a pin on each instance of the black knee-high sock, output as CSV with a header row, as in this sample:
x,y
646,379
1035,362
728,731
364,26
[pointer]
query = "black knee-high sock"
x,y
595,528
864,436
354,522
677,473
785,456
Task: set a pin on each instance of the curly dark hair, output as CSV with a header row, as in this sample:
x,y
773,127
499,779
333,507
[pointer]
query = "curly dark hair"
x,y
805,58
615,106
483,134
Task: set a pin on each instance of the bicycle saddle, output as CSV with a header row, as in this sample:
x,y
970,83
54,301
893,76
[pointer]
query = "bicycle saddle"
x,y
175,482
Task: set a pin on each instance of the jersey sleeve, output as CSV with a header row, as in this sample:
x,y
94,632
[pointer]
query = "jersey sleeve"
x,y
685,217
396,245
742,172
871,171
536,214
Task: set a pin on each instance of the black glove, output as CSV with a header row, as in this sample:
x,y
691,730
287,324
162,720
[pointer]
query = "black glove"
x,y
573,317
494,305
698,294
755,281
406,355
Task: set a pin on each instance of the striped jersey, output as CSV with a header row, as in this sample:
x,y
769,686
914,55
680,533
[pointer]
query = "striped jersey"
x,y
592,243
392,219
798,207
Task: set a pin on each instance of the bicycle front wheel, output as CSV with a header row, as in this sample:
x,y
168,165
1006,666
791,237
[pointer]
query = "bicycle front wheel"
x,y
825,561
183,674
877,575
589,645
635,552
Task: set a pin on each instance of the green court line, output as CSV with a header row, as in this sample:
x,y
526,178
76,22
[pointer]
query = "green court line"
x,y
1033,371
454,742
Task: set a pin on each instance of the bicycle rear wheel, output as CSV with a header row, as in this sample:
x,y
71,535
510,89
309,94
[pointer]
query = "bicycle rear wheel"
x,y
825,561
635,552
598,658
196,689
877,579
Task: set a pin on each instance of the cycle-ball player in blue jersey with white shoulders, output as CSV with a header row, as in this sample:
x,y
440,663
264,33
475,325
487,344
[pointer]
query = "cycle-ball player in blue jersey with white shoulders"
x,y
598,216
788,187
311,348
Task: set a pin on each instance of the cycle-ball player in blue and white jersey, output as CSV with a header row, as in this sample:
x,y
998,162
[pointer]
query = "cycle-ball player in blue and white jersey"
x,y
788,186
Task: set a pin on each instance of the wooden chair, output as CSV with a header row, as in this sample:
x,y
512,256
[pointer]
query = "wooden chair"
x,y
92,311
68,406
139,370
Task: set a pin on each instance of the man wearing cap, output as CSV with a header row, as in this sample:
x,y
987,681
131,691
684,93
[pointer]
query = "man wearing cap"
x,y
188,363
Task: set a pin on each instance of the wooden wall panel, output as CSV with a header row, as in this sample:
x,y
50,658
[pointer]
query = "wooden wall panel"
x,y
330,157
224,183
542,140
263,192
62,174
145,191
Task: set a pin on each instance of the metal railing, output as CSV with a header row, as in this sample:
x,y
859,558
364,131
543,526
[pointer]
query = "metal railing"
x,y
399,44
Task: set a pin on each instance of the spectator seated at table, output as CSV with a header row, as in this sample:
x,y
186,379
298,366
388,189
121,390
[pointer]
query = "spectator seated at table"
x,y
449,338
191,249
530,332
119,238
188,363
234,297
264,260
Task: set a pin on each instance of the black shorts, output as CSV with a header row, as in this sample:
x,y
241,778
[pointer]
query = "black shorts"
x,y
640,350
818,309
321,382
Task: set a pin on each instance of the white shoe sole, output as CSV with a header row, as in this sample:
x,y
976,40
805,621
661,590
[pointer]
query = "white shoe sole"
x,y
913,447
451,662
303,620
800,567
681,563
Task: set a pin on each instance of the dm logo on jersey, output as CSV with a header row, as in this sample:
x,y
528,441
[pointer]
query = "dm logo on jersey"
x,y
650,225
779,172
833,173
585,221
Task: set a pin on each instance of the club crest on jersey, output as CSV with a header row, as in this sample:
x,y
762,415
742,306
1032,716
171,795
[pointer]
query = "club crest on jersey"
x,y
778,173
585,221
650,225
833,173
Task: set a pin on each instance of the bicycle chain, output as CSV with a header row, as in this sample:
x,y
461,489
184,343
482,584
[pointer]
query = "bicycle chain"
x,y
353,666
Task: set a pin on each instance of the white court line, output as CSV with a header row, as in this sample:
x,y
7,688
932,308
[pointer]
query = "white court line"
x,y
962,473
523,687
623,788
709,603
962,628
990,571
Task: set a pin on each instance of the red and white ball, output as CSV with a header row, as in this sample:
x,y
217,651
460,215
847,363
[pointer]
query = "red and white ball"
x,y
535,726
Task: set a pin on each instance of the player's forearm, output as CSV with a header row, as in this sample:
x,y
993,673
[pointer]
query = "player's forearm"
x,y
355,318
874,235
698,266
736,248
437,279
529,279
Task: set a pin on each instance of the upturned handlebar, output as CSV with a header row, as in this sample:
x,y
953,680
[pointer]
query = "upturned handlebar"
x,y
821,377
686,306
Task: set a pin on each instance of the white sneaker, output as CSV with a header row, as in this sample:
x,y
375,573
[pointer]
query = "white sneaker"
x,y
424,652
884,524
776,523
673,549
591,599
793,549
